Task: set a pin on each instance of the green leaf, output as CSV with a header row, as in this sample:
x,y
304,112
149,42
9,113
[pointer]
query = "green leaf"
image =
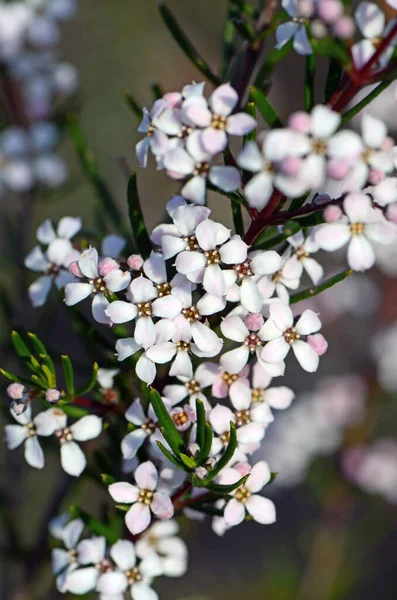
x,y
206,447
140,234
94,525
71,410
265,108
156,90
185,44
23,351
133,105
90,383
268,66
333,78
297,203
331,48
250,110
24,380
48,365
68,374
309,82
228,42
48,375
313,291
227,489
200,423
40,382
170,456
289,228
225,458
170,432
208,509
37,344
123,507
188,461
365,101
107,479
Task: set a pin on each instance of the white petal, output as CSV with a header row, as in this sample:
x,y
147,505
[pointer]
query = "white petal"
x,y
259,477
234,512
117,280
258,190
123,492
333,236
135,413
262,509
14,436
179,161
72,459
162,506
275,350
39,290
234,252
123,554
88,263
223,100
145,333
142,591
146,476
189,262
234,360
214,282
112,583
265,263
324,121
279,397
195,190
168,307
91,550
308,323
285,32
250,158
131,443
154,268
374,131
281,315
82,581
360,254
214,140
362,51
250,296
220,418
204,337
72,532
126,347
98,307
145,369
46,233
76,292
33,453
227,179
121,312
235,329
240,394
182,365
240,124
172,245
357,207
68,227
36,261
86,428
138,518
306,356
370,19
301,41
313,269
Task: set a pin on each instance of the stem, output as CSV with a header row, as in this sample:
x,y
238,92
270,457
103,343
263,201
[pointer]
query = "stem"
x,y
262,220
87,403
365,101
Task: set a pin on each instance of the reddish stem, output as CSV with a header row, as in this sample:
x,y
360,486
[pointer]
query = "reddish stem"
x,y
263,217
92,404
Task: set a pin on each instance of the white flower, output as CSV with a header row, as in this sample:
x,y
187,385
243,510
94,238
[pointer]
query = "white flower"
x,y
371,21
248,436
287,277
303,247
245,498
90,551
171,549
64,561
145,426
156,130
364,224
279,397
195,164
27,430
296,29
205,375
115,281
55,261
281,334
220,387
73,460
144,498
216,118
173,237
105,378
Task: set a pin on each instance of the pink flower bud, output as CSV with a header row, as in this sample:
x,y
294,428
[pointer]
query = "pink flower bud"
x,y
52,395
330,10
300,121
376,176
337,169
305,8
387,144
344,28
135,262
18,407
318,342
75,270
107,265
391,213
332,213
291,165
254,322
16,391
173,99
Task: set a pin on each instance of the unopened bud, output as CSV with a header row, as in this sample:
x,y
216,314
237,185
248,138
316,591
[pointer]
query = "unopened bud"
x,y
74,269
135,262
376,176
19,406
318,342
194,449
16,391
52,395
254,321
332,213
300,121
107,265
337,169
318,29
344,28
201,472
291,165
330,10
305,8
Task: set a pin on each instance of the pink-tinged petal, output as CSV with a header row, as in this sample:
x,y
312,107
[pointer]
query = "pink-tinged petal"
x,y
281,315
39,290
196,149
206,234
259,476
162,506
370,19
360,254
143,592
240,124
385,192
161,353
284,33
214,282
234,512
182,365
145,332
265,263
189,262
240,394
279,397
306,356
117,280
195,190
250,296
262,509
324,121
234,252
34,455
209,305
252,433
172,245
333,236
235,360
214,140
154,268
146,476
345,144
126,347
76,292
205,338
374,130
73,460
357,207
313,269
197,113
142,151
258,190
308,323
123,554
235,329
220,389
145,369
301,41
88,263
179,161
275,350
86,428
138,518
227,179
269,331
383,233
131,443
272,369
220,418
167,307
81,581
260,379
142,290
112,583
123,492
250,158
223,100
121,312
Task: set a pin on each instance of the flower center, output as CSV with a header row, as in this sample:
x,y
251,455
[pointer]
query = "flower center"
x,y
225,438
164,289
104,566
291,335
357,228
145,497
257,394
276,277
302,253
243,270
191,243
98,285
53,270
252,341
30,429
300,20
191,314
184,346
64,435
184,132
149,426
110,396
242,494
150,131
180,418
213,257
144,309
319,146
201,168
133,575
218,122
242,417
72,555
367,154
229,378
193,386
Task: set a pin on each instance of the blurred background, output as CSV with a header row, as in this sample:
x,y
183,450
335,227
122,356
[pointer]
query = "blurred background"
x,y
335,449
